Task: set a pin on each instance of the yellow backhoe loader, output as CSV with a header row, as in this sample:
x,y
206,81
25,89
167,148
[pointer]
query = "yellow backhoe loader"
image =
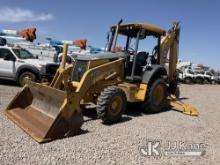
x,y
109,80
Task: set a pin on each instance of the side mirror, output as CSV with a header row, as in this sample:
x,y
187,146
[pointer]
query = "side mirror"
x,y
13,58
8,57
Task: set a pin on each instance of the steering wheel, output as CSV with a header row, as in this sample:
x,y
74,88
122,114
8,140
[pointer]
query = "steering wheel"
x,y
131,50
155,52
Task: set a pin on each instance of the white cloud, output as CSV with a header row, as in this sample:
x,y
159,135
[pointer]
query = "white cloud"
x,y
22,15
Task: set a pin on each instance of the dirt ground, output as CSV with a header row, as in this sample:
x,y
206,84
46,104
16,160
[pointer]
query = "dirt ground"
x,y
121,143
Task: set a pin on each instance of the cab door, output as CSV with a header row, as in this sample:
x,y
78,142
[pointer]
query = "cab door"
x,y
7,64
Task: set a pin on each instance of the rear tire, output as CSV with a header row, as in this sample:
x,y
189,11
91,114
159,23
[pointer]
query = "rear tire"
x,y
24,75
156,98
213,82
111,104
199,80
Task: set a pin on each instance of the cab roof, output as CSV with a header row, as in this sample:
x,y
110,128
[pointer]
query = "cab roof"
x,y
131,29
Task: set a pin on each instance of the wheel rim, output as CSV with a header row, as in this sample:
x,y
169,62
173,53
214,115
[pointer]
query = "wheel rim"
x,y
158,95
23,80
116,105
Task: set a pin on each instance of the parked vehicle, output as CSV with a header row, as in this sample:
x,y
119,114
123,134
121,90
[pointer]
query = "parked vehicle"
x,y
17,64
210,78
43,52
198,77
186,76
218,79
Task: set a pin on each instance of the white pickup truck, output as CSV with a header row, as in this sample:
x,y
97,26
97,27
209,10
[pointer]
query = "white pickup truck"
x,y
189,75
186,76
18,63
198,76
210,78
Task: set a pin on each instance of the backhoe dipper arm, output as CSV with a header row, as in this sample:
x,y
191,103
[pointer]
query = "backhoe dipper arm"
x,y
170,43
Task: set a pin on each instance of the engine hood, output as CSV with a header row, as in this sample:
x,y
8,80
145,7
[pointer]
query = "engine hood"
x,y
34,61
105,55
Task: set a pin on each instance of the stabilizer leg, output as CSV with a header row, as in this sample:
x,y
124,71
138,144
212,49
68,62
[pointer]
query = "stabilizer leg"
x,y
180,106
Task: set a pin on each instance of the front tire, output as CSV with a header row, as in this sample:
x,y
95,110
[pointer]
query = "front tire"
x,y
156,98
213,82
188,80
24,75
111,104
206,81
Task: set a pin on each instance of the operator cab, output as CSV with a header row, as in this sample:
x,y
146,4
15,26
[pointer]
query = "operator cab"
x,y
134,34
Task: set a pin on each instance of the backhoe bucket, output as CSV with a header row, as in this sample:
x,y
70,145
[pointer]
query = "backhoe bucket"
x,y
39,110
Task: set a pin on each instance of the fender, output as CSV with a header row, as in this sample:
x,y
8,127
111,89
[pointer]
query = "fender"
x,y
199,77
188,77
152,72
208,79
28,67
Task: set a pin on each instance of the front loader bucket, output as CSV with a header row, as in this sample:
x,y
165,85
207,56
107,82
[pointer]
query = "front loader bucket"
x,y
39,110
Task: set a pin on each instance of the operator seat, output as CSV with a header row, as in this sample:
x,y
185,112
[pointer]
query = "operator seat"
x,y
141,61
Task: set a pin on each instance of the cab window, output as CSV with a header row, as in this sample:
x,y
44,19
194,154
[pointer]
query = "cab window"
x,y
5,52
23,54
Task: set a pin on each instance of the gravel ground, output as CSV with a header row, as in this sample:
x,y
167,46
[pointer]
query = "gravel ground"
x,y
119,143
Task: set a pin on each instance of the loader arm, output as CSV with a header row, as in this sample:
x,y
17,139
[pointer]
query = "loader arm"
x,y
76,91
62,73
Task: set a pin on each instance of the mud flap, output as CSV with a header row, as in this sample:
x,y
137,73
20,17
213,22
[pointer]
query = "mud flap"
x,y
39,109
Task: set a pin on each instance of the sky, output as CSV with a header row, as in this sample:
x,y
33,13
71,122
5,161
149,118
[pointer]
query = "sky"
x,y
91,19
